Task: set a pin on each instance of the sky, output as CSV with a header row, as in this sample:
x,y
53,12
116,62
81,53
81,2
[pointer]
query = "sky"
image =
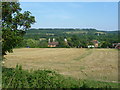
x,y
98,15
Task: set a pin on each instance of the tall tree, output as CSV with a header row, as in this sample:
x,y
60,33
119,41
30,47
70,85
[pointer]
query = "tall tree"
x,y
14,25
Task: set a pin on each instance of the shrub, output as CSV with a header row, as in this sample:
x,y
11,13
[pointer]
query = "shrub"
x,y
19,78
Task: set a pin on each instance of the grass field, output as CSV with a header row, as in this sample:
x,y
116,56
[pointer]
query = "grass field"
x,y
91,64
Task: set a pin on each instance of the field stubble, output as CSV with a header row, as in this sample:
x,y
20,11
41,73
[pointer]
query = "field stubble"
x,y
92,64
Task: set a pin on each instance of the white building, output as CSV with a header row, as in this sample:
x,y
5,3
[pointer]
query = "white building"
x,y
91,46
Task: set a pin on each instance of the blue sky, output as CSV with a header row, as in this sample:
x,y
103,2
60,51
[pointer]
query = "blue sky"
x,y
98,15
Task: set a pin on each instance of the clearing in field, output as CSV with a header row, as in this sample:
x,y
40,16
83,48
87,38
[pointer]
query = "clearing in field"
x,y
92,64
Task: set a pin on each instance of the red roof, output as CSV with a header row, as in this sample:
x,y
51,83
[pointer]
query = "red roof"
x,y
95,41
53,43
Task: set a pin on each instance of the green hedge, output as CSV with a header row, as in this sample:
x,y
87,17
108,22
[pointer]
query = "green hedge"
x,y
19,78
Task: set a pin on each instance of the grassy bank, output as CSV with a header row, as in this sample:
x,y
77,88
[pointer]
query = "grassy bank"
x,y
19,78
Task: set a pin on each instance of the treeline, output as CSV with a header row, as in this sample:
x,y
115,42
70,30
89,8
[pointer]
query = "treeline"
x,y
38,38
56,32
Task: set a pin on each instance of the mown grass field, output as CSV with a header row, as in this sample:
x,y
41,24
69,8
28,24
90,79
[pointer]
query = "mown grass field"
x,y
90,64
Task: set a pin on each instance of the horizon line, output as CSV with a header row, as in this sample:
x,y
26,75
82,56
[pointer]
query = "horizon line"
x,y
69,28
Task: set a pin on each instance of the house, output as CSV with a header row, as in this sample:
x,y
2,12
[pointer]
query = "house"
x,y
53,43
95,42
116,45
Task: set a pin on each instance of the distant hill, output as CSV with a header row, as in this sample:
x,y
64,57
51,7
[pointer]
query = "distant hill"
x,y
56,32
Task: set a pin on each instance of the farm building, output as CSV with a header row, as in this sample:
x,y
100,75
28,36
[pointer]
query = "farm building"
x,y
95,42
53,43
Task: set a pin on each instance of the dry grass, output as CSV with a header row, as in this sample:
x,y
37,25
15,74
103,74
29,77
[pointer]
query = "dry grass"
x,y
98,64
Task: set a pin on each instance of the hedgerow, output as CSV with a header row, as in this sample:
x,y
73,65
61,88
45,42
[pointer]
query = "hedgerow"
x,y
19,78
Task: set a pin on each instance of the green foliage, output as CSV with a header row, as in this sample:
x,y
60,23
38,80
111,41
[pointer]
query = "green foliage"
x,y
43,44
14,25
32,43
19,78
10,40
75,40
62,43
105,44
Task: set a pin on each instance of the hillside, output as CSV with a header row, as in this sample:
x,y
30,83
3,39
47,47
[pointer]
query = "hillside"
x,y
49,32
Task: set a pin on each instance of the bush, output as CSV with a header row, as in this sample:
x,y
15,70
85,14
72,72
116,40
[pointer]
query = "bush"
x,y
19,78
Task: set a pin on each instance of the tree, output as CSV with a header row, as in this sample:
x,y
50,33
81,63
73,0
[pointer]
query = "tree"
x,y
62,43
105,44
76,41
43,44
14,25
32,43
